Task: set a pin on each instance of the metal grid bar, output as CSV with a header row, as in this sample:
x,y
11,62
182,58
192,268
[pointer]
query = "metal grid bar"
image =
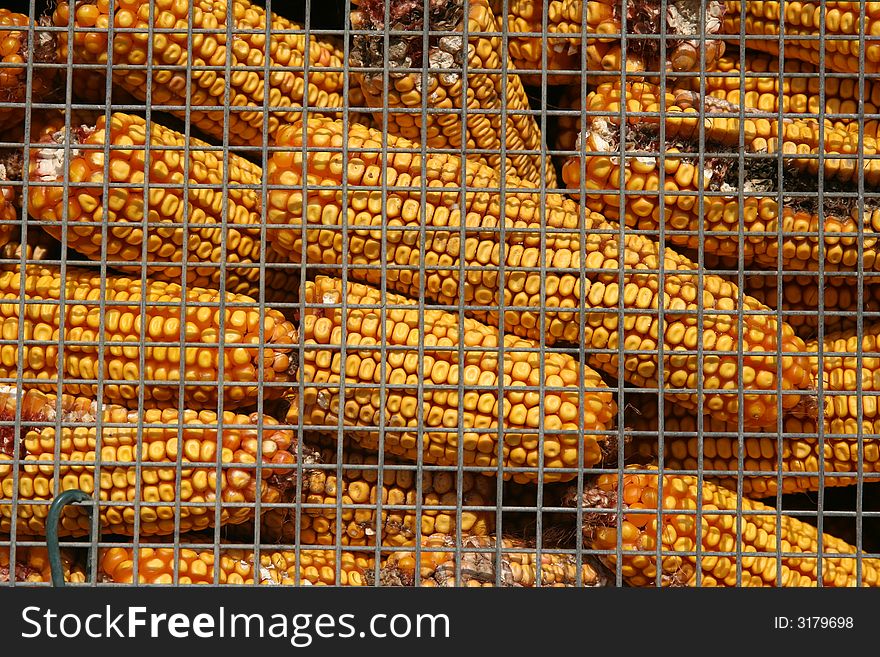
x,y
544,113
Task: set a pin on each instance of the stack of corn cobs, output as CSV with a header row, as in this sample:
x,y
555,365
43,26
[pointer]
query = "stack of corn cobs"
x,y
408,316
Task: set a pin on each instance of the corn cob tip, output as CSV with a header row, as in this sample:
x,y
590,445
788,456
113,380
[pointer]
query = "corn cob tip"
x,y
13,83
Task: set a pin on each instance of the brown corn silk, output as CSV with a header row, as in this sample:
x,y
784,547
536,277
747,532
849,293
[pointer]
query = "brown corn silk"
x,y
668,514
549,399
798,83
568,243
14,29
724,211
114,230
496,105
32,563
39,297
233,567
122,446
804,19
361,489
802,451
480,565
597,25
290,54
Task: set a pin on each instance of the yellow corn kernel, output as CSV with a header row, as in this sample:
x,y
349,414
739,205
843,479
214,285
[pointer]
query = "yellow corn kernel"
x,y
594,26
801,451
537,230
480,565
83,299
32,563
119,449
289,55
360,490
496,109
801,19
443,418
235,566
598,172
211,248
759,530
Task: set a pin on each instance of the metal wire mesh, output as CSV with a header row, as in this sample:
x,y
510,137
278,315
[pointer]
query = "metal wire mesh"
x,y
535,510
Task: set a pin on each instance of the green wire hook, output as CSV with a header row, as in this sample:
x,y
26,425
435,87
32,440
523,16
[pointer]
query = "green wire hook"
x,y
62,500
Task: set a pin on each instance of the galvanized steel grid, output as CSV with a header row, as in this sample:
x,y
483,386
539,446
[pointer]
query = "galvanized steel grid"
x,y
542,112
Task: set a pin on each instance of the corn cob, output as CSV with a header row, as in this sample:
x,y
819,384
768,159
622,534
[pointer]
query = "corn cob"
x,y
37,246
567,35
14,28
82,365
360,492
495,113
32,564
762,534
841,372
803,19
289,54
523,17
561,247
721,216
685,21
236,567
799,463
122,447
800,300
801,84
479,565
208,247
480,411
800,94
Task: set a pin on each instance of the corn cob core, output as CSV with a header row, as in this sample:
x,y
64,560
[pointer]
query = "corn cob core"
x,y
559,410
686,21
117,300
14,29
723,212
649,513
199,237
246,57
561,248
495,107
234,567
801,293
723,126
361,489
480,564
803,19
802,454
165,435
32,565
